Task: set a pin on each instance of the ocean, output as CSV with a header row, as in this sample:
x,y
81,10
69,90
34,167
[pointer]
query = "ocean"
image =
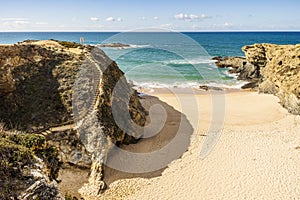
x,y
168,59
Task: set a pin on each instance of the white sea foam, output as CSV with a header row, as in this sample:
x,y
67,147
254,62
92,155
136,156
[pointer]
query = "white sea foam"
x,y
195,85
237,85
131,46
233,75
139,46
193,61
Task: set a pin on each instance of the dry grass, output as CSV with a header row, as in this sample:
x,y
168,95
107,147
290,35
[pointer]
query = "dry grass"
x,y
2,127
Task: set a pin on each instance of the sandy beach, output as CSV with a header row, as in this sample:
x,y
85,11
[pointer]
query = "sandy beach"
x,y
256,156
196,144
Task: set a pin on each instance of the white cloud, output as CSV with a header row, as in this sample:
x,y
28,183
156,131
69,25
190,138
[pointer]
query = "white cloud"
x,y
14,19
195,26
94,19
41,23
204,16
22,22
15,22
190,17
181,16
167,26
145,18
110,19
228,25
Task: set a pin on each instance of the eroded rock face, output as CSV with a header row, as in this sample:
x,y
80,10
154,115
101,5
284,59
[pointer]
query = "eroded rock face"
x,y
229,62
280,71
30,76
28,167
38,80
238,65
259,51
273,69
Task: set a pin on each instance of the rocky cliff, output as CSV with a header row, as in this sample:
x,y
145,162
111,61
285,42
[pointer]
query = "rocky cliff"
x,y
279,67
66,92
270,68
28,167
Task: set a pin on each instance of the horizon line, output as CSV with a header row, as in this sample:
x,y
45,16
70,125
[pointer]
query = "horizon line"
x,y
141,31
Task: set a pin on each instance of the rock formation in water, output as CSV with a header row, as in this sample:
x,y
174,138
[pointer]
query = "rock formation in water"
x,y
273,69
239,65
70,94
114,45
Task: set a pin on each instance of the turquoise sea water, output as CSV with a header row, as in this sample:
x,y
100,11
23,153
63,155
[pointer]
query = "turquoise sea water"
x,y
169,59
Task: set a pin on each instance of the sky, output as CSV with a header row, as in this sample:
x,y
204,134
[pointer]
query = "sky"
x,y
130,15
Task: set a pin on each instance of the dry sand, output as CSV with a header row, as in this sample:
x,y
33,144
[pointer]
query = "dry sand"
x,y
256,157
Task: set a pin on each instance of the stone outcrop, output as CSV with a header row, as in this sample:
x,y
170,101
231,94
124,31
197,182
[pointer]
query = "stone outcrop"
x,y
71,94
270,68
280,71
229,62
114,45
239,65
210,88
28,167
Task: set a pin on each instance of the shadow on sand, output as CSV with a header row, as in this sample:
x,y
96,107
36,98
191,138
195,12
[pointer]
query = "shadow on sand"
x,y
156,152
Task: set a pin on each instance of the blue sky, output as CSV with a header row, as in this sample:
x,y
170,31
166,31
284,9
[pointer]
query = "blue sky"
x,y
194,15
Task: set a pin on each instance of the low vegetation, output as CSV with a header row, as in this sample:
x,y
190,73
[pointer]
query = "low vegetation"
x,y
68,44
18,153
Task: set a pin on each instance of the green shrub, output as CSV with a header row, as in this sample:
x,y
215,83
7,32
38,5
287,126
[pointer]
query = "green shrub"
x,y
13,159
68,44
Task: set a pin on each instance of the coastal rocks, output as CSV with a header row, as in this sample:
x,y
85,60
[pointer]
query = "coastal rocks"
x,y
72,94
70,148
238,65
95,185
256,55
273,69
41,189
280,70
229,62
209,88
250,85
249,72
267,87
114,45
28,167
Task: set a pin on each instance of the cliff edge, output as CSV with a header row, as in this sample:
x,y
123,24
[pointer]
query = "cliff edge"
x,y
64,92
279,67
269,68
